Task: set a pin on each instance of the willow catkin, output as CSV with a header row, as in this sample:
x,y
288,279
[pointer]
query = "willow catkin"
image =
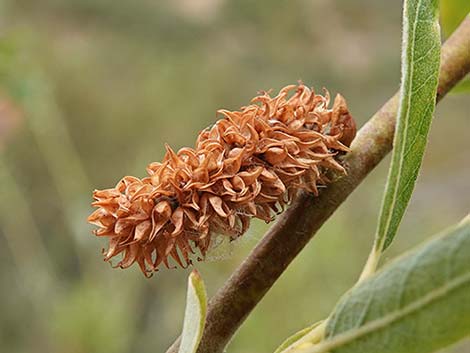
x,y
250,163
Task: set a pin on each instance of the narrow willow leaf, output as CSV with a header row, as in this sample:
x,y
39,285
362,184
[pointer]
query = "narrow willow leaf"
x,y
417,304
420,70
195,314
296,339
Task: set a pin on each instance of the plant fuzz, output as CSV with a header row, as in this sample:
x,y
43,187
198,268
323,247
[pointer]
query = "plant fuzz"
x,y
250,163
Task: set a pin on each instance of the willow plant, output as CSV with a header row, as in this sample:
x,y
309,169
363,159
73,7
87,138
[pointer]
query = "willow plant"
x,y
274,154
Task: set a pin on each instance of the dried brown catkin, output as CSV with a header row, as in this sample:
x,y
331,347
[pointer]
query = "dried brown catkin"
x,y
250,163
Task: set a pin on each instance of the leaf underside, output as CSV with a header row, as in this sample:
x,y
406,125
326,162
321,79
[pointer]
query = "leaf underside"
x,y
195,314
420,303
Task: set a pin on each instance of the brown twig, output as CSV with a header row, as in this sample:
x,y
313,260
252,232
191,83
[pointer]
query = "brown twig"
x,y
254,277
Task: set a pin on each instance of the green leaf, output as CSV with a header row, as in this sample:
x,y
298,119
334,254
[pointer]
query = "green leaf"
x,y
452,13
420,70
417,304
296,339
195,314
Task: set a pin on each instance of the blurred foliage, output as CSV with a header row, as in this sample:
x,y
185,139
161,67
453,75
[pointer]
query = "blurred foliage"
x,y
463,86
102,85
452,13
80,324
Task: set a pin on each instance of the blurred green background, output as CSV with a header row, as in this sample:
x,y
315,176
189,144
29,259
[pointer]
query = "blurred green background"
x,y
90,90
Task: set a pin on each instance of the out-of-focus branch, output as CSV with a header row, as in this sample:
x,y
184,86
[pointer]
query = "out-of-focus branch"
x,y
252,279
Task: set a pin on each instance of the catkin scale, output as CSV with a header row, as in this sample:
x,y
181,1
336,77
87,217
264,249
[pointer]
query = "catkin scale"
x,y
249,164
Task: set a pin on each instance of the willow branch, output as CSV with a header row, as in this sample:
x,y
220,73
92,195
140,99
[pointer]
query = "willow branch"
x,y
254,277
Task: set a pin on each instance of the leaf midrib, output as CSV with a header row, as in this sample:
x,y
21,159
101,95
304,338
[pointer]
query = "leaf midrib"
x,y
411,62
375,325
